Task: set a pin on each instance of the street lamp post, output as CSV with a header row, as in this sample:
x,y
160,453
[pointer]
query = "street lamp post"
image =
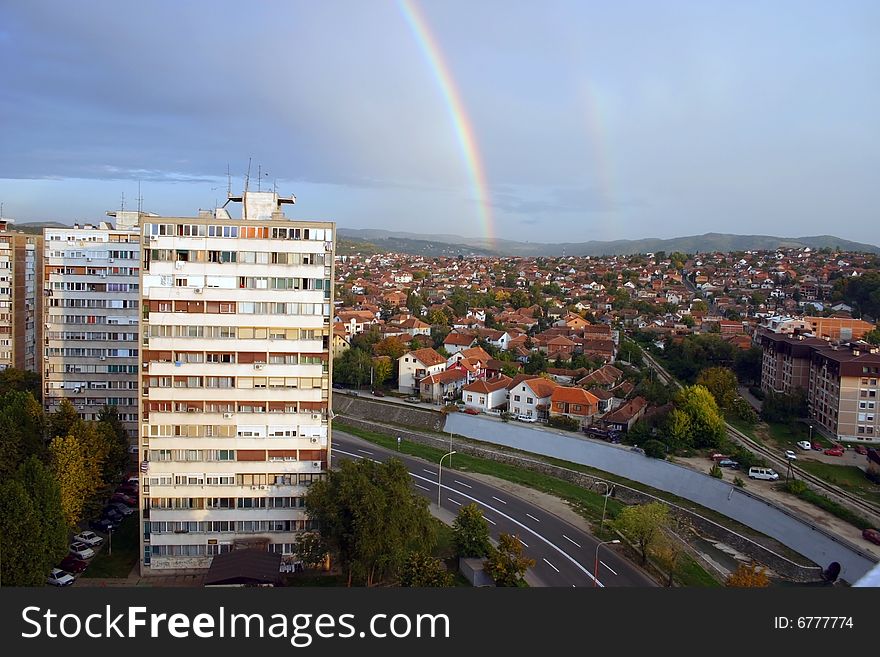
x,y
439,472
811,436
605,503
596,569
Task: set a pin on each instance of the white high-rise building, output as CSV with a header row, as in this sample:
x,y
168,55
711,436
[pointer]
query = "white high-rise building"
x,y
234,381
90,350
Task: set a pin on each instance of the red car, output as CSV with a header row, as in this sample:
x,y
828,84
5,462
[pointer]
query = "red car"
x,y
125,499
471,411
871,535
73,565
861,449
837,450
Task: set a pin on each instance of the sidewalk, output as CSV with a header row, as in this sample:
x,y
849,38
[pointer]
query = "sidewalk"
x,y
194,579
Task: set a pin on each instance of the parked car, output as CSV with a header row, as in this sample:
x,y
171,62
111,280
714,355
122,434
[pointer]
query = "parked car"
x,y
112,515
636,448
471,411
59,578
861,449
102,525
378,393
338,386
122,509
768,474
728,463
804,444
127,489
125,499
872,535
73,565
818,447
412,400
526,418
90,538
133,449
837,450
790,455
81,551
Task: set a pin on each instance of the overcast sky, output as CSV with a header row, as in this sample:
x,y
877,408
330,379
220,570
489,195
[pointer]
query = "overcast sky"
x,y
593,120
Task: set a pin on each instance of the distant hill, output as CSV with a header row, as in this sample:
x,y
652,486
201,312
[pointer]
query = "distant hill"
x,y
691,244
36,227
427,248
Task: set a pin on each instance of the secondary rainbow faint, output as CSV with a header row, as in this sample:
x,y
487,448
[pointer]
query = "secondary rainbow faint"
x,y
460,121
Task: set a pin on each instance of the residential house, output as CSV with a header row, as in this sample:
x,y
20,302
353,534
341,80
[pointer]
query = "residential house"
x,y
575,403
487,394
414,366
443,386
456,342
606,377
531,396
623,418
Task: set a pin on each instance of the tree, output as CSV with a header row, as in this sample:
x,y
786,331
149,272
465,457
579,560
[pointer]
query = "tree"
x,y
45,496
643,525
353,367
721,382
520,299
748,576
62,421
370,519
506,563
393,347
21,430
75,475
24,560
116,437
707,428
311,549
655,449
422,570
873,336
382,370
747,365
536,363
24,381
470,532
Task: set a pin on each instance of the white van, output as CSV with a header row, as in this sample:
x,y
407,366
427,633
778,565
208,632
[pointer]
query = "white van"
x,y
763,473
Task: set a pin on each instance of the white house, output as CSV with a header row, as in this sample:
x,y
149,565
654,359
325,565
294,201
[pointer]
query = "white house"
x,y
486,394
414,366
531,397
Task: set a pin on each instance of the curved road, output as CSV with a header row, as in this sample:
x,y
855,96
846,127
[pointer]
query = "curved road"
x,y
564,555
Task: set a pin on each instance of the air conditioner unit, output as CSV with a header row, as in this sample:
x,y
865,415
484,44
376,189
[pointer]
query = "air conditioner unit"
x,y
263,487
103,358
258,366
146,365
178,264
313,440
198,290
316,416
109,259
154,238
227,415
253,488
316,464
88,259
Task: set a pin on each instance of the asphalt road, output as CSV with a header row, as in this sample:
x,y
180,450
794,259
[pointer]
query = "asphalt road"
x,y
564,555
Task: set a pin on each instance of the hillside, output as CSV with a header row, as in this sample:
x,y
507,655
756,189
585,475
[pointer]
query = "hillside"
x,y
708,242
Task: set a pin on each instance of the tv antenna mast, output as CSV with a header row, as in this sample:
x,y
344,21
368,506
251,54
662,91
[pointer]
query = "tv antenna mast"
x,y
140,199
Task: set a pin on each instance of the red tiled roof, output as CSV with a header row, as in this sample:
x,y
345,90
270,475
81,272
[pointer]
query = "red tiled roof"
x,y
427,356
447,376
488,385
573,396
626,412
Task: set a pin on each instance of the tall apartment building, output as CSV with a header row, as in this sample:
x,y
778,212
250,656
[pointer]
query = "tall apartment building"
x,y
21,299
840,380
92,282
235,379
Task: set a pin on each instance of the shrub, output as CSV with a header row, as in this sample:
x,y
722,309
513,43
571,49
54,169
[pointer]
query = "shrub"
x,y
567,423
796,487
738,482
654,449
505,416
716,472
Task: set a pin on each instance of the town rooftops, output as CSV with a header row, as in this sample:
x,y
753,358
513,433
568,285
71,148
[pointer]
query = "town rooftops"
x,y
488,385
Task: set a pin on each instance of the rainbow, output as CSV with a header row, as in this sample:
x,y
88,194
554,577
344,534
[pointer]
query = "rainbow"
x,y
462,124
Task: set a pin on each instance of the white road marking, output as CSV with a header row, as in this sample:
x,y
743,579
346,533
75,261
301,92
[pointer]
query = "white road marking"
x,y
551,565
504,515
365,451
429,472
532,517
489,520
499,499
527,545
454,501
462,483
569,540
607,566
422,487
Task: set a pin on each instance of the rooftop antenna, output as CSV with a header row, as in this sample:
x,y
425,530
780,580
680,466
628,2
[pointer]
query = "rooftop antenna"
x,y
247,180
140,199
228,181
260,175
122,206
